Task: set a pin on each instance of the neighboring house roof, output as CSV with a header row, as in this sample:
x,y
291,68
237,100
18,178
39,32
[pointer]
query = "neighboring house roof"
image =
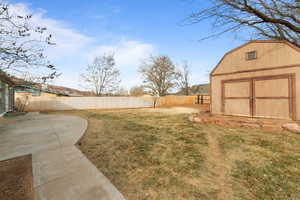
x,y
53,89
200,89
197,89
69,91
6,78
255,41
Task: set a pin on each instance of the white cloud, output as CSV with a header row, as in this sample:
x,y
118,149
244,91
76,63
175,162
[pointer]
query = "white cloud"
x,y
73,49
128,53
68,41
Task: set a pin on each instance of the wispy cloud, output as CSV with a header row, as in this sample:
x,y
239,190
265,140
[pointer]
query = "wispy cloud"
x,y
128,53
68,41
74,49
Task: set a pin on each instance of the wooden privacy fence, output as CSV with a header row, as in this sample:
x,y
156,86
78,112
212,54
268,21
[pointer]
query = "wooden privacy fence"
x,y
82,103
183,100
43,103
203,99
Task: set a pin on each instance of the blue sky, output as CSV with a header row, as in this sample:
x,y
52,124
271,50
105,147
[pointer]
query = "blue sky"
x,y
134,29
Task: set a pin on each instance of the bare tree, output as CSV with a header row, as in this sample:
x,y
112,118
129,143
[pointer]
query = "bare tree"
x,y
122,92
102,76
137,91
269,19
184,78
159,75
22,45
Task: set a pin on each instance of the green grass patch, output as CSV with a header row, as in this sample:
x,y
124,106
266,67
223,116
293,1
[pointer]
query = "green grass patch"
x,y
276,180
229,142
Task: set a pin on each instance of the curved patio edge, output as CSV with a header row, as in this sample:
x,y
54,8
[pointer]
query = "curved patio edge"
x,y
60,170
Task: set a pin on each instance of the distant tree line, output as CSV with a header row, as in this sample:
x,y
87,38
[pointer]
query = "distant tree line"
x,y
159,73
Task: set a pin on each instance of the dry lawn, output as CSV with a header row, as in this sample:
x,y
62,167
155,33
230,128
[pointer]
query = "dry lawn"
x,y
161,155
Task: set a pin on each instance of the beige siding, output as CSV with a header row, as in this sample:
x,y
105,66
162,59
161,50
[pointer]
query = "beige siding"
x,y
268,55
273,101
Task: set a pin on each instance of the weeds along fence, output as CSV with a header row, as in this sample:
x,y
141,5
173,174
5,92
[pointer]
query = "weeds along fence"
x,y
46,103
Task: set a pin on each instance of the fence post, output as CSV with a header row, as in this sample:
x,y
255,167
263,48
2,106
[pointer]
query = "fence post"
x,y
198,99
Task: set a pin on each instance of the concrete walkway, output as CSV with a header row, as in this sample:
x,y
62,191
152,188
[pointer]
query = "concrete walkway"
x,y
60,170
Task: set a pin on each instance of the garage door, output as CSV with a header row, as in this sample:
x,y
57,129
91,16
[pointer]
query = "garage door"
x,y
268,96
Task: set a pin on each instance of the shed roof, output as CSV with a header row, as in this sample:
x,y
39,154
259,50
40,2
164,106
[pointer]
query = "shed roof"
x,y
255,41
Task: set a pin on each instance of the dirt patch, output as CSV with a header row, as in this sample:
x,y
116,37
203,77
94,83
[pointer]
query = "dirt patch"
x,y
219,166
184,109
16,179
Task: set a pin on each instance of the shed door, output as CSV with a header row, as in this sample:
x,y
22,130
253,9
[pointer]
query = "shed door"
x,y
237,97
268,96
273,97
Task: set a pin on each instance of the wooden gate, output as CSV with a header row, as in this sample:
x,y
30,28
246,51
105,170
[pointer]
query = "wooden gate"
x,y
266,96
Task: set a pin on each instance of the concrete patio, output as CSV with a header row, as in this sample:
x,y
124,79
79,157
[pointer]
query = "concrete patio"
x,y
60,170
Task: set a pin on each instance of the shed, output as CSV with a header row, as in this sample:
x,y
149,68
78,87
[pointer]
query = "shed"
x,y
6,93
258,79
